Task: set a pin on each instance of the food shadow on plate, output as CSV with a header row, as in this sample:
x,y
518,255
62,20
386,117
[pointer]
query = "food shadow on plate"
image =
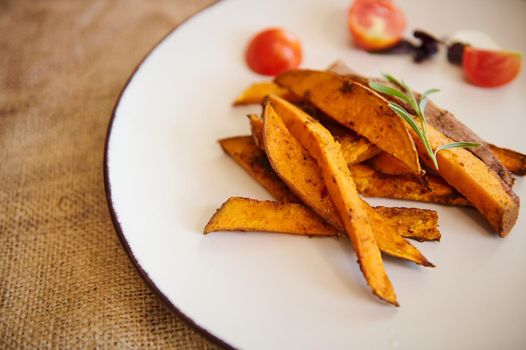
x,y
474,220
343,264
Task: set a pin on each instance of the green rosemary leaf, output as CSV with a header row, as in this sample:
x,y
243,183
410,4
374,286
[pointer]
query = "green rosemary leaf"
x,y
420,133
429,92
401,112
424,99
392,80
407,95
422,105
414,104
462,144
388,91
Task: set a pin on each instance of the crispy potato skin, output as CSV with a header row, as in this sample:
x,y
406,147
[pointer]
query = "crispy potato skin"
x,y
255,93
512,160
428,188
451,127
251,215
243,151
256,128
470,176
418,224
244,214
357,107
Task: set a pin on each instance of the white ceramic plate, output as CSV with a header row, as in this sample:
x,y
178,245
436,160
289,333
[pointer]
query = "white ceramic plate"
x,y
166,175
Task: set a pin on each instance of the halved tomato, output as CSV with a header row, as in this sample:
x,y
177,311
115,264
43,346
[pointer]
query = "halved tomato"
x,y
376,24
273,51
488,68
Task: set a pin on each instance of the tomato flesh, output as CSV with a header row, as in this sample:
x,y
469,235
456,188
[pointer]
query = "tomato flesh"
x,y
487,68
273,51
376,24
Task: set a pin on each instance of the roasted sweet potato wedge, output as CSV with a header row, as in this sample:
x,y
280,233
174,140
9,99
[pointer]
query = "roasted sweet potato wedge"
x,y
418,224
474,179
296,167
406,221
255,93
357,107
512,160
251,215
244,214
349,206
243,150
445,122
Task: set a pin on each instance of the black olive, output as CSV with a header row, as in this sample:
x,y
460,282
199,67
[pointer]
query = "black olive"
x,y
427,48
455,51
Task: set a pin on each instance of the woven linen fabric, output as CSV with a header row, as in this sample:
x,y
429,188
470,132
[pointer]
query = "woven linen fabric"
x,y
65,279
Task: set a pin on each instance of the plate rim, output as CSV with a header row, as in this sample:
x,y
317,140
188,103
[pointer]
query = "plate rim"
x,y
213,338
109,198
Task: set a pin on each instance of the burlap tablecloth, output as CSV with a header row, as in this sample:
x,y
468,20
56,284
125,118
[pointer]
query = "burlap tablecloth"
x,y
65,279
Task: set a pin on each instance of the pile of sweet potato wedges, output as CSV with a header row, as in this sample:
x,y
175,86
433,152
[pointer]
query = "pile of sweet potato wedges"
x,y
324,138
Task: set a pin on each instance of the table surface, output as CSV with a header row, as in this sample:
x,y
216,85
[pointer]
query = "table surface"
x,y
65,280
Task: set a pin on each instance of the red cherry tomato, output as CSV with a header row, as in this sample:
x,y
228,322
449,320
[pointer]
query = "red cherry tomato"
x,y
376,24
488,68
273,51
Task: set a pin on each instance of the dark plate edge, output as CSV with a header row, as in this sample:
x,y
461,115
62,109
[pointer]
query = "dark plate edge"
x,y
107,186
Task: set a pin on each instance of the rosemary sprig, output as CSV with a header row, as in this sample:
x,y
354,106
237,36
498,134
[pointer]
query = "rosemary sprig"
x,y
405,94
